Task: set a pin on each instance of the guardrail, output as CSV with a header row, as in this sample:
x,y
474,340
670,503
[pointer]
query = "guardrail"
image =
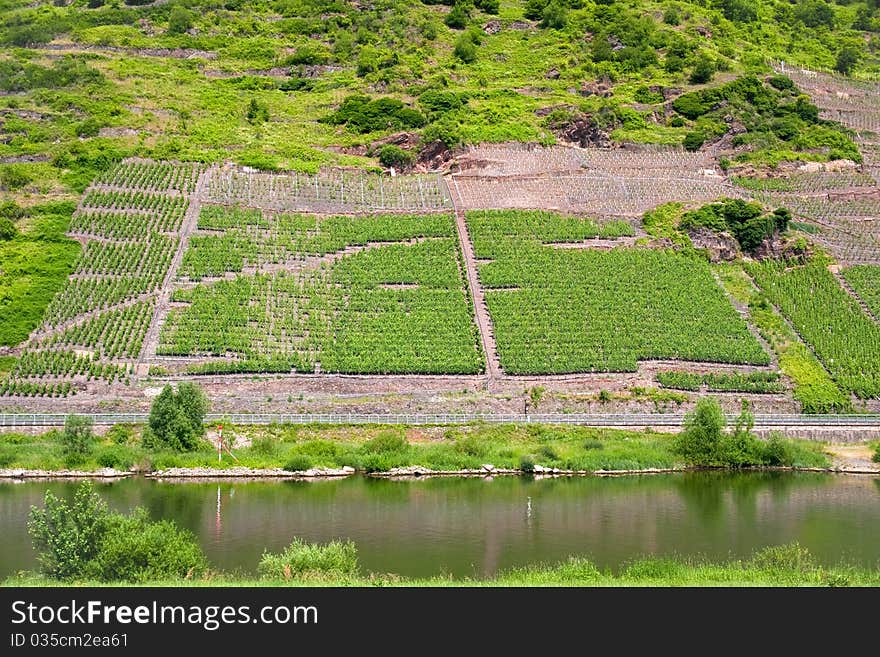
x,y
594,420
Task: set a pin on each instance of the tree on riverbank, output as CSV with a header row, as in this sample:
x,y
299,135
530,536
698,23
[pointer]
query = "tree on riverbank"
x,y
177,418
84,540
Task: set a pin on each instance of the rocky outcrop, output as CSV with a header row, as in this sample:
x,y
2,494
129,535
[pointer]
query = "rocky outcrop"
x,y
721,247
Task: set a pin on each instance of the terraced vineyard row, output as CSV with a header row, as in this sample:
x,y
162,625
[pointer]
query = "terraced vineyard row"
x,y
330,191
398,307
844,338
95,326
865,280
148,175
564,310
251,239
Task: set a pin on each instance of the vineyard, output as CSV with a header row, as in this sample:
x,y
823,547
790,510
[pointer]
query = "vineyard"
x,y
398,306
865,280
845,339
753,382
129,222
330,191
584,310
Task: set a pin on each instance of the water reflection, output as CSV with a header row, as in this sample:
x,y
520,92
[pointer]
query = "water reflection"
x,y
475,527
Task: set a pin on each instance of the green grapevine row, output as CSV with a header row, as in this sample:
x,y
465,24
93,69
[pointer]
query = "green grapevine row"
x,y
754,382
845,339
865,280
153,176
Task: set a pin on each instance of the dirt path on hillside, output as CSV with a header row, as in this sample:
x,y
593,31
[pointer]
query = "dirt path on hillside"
x,y
481,310
190,223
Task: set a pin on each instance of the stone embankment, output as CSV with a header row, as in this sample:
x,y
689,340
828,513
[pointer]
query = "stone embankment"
x,y
105,473
242,472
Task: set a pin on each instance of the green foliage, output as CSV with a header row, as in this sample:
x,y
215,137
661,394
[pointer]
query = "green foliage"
x,y
703,69
865,280
555,15
179,20
845,339
77,437
256,112
700,441
847,59
134,549
693,140
68,537
745,220
301,560
753,382
394,156
580,310
362,115
177,418
120,434
458,18
298,463
465,49
8,229
13,177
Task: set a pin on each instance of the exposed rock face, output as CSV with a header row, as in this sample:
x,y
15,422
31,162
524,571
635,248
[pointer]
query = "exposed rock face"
x,y
720,246
584,132
492,27
435,156
552,74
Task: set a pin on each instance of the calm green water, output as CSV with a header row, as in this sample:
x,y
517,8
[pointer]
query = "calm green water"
x,y
476,527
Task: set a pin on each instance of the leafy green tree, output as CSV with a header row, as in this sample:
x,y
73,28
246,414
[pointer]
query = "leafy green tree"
x,y
847,59
703,70
700,441
465,49
180,20
394,156
256,112
177,419
693,140
555,15
66,536
77,437
489,6
815,13
458,18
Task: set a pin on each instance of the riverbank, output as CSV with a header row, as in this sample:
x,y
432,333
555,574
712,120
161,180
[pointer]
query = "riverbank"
x,y
778,566
320,451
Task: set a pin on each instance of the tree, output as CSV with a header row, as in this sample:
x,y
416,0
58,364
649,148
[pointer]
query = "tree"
x,y
693,140
457,19
256,112
77,437
555,15
465,50
703,70
180,20
67,536
700,441
177,419
847,59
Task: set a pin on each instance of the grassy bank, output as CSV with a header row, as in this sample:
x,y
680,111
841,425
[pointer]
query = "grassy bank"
x,y
379,448
787,565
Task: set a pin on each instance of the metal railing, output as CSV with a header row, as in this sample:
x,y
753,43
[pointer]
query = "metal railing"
x,y
584,419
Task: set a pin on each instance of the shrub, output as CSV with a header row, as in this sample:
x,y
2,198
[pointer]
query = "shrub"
x,y
555,15
465,49
527,464
67,537
700,441
703,70
457,19
303,560
264,445
120,434
13,177
387,442
77,437
177,419
256,112
694,140
790,558
394,156
363,114
591,444
180,20
847,59
135,549
298,463
114,456
8,230
489,6
876,457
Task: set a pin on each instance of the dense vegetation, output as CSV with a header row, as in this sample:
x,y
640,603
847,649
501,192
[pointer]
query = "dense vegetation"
x,y
845,339
865,280
758,382
770,120
397,307
377,448
747,221
578,310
